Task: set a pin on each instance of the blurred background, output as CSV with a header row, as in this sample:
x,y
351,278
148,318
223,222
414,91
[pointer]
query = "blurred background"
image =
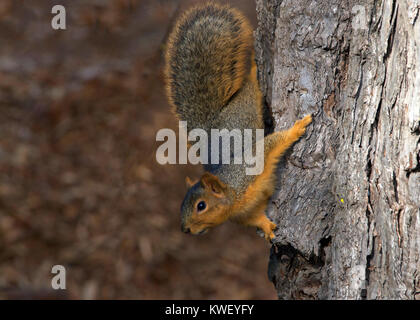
x,y
79,183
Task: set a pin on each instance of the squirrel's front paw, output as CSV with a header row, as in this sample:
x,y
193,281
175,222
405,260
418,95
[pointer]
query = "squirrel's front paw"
x,y
270,234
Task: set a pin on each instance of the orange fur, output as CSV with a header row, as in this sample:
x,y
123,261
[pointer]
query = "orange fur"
x,y
211,82
250,208
227,80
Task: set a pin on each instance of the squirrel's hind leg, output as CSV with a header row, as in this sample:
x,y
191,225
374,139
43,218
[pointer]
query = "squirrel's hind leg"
x,y
277,143
298,128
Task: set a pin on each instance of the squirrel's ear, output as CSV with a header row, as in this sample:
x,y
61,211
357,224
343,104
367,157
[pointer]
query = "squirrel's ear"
x,y
189,183
213,183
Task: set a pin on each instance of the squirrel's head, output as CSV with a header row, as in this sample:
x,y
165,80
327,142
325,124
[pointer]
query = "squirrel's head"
x,y
205,205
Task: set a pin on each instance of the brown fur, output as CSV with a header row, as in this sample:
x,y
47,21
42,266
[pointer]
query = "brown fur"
x,y
212,83
210,52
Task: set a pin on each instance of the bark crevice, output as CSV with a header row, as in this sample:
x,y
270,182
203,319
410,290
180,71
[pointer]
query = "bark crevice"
x,y
348,196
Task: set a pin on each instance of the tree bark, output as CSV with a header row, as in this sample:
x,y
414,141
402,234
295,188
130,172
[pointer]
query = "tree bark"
x,y
348,198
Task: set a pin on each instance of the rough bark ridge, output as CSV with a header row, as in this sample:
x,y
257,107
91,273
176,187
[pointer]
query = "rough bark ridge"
x,y
348,195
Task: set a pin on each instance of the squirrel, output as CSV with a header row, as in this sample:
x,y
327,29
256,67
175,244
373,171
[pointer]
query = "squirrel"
x,y
211,82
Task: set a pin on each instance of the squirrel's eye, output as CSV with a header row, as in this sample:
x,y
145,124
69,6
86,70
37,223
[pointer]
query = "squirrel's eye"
x,y
201,206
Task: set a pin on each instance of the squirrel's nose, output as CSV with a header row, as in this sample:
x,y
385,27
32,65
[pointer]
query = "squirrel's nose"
x,y
185,230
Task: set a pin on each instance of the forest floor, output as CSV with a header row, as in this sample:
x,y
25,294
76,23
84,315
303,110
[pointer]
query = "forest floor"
x,y
79,183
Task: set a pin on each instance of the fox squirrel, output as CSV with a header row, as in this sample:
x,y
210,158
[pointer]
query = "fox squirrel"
x,y
212,84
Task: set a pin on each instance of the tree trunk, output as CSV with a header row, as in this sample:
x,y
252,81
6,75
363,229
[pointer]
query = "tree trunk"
x,y
348,197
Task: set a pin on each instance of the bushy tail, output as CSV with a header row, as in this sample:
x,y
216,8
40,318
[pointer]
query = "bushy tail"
x,y
209,55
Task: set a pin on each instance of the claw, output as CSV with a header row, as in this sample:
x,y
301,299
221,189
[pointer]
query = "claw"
x,y
304,121
271,235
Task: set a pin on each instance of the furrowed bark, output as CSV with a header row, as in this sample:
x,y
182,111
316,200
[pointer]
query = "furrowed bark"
x,y
348,198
